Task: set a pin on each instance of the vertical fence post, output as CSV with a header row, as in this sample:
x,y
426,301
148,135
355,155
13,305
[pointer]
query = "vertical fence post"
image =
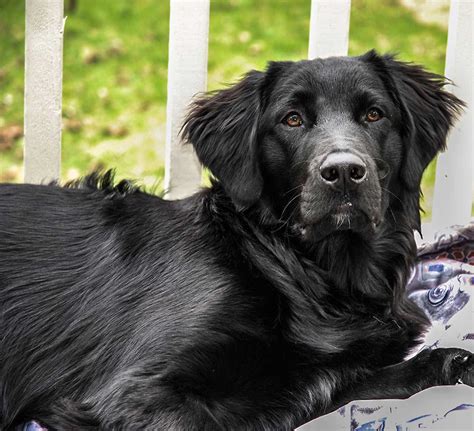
x,y
43,89
453,187
329,28
187,75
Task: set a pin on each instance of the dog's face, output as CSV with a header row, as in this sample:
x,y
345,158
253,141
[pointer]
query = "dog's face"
x,y
328,144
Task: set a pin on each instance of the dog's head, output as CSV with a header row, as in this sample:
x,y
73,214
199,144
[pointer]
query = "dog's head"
x,y
327,144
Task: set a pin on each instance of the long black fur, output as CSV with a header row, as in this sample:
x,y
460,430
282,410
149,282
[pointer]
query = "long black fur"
x,y
123,311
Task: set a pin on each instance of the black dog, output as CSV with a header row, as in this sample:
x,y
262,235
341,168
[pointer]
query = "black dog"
x,y
260,303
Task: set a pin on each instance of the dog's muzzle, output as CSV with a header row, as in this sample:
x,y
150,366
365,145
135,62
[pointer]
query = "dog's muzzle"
x,y
342,192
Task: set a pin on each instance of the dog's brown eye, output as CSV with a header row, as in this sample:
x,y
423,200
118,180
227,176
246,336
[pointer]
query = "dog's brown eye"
x,y
373,114
293,120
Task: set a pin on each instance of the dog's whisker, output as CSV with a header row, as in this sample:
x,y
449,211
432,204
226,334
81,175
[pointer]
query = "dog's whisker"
x,y
391,193
293,189
289,203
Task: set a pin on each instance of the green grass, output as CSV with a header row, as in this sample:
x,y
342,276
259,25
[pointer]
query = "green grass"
x,y
115,69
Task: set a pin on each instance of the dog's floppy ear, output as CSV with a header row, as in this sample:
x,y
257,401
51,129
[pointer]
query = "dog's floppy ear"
x,y
222,127
427,113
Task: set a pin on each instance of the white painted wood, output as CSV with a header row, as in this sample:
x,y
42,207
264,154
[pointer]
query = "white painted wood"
x,y
187,76
329,28
43,89
453,187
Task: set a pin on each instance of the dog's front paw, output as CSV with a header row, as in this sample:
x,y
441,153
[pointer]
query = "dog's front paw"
x,y
452,366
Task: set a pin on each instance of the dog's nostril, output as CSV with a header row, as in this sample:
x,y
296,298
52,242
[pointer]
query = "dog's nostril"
x,y
341,170
330,174
357,172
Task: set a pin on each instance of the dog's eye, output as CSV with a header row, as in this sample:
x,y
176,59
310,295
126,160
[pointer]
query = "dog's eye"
x,y
293,119
373,114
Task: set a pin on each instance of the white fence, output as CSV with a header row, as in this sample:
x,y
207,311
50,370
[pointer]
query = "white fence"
x,y
187,73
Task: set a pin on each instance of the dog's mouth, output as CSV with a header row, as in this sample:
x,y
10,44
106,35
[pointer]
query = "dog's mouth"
x,y
345,216
339,203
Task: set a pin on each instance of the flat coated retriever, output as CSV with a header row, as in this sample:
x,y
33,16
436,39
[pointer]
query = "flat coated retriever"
x,y
259,303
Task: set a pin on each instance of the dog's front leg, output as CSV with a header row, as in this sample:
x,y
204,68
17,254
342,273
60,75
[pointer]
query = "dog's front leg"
x,y
429,368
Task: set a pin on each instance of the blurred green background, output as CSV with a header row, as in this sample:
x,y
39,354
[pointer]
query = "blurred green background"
x,y
115,69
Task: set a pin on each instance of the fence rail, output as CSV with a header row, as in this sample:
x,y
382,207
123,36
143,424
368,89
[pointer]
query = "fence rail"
x,y
452,200
43,89
187,75
329,28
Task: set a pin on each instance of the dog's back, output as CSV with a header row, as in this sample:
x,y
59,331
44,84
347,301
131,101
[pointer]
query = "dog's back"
x,y
94,282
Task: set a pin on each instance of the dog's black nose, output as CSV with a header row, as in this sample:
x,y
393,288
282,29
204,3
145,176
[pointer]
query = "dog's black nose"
x,y
343,171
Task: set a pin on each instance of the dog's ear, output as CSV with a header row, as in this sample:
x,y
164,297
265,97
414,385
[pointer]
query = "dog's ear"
x,y
223,128
427,113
